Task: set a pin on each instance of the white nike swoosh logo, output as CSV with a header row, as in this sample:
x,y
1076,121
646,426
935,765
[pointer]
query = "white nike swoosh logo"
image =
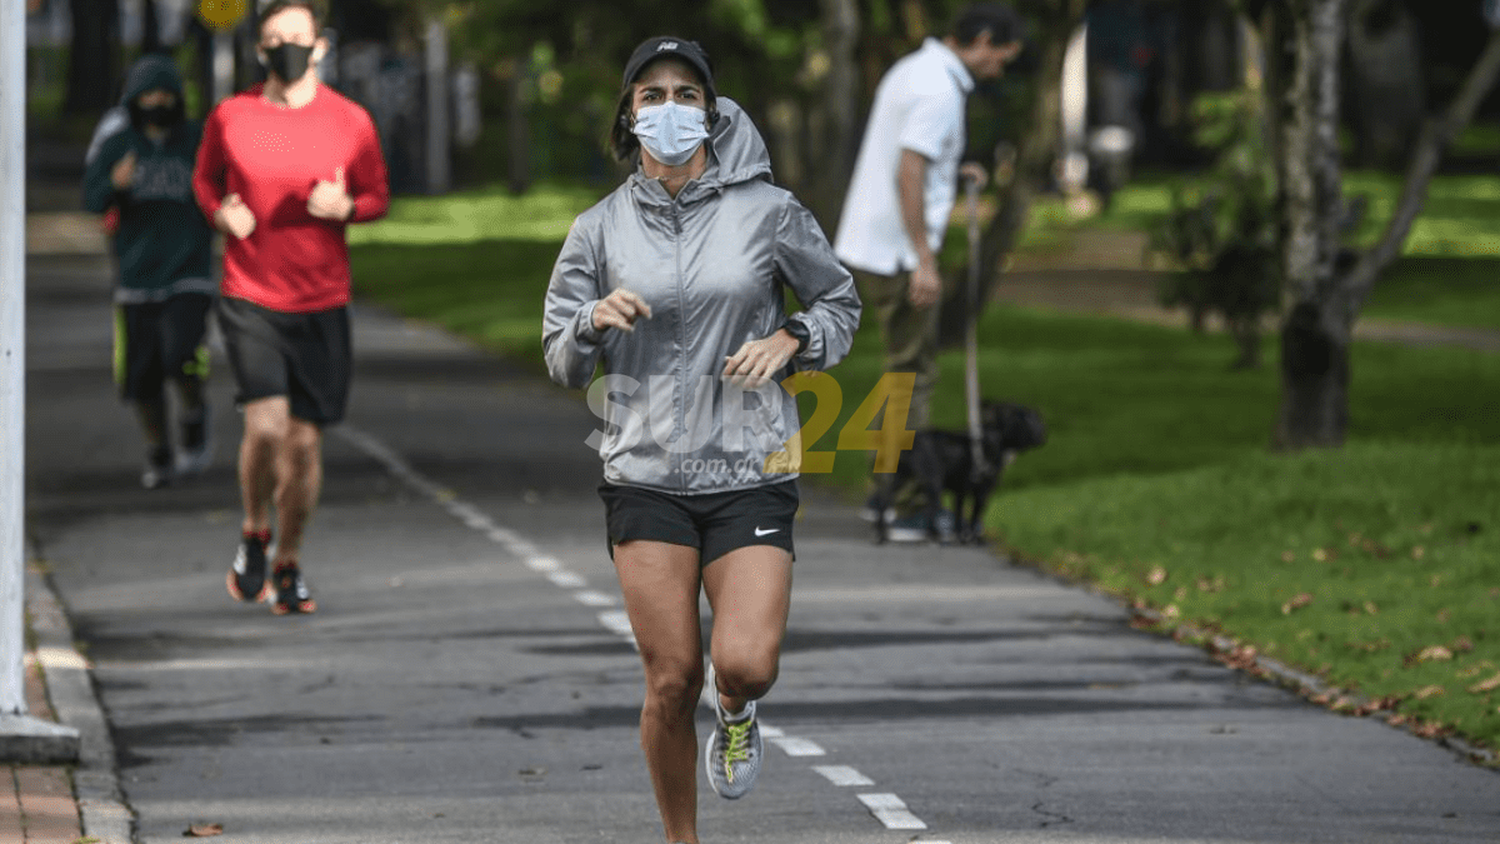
x,y
759,532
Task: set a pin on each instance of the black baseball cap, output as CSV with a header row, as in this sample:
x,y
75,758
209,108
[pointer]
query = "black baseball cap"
x,y
666,45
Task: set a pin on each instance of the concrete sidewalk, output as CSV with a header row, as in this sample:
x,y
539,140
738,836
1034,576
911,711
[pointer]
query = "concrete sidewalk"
x,y
38,805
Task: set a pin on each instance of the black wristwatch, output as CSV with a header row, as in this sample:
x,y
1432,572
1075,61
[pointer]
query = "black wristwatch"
x,y
798,330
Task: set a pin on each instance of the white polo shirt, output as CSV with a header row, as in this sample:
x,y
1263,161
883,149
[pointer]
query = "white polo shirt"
x,y
919,106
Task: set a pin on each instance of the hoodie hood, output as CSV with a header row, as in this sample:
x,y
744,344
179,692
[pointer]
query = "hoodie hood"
x,y
150,72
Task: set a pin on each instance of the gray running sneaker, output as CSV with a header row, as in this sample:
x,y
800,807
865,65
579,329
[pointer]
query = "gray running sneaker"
x,y
734,749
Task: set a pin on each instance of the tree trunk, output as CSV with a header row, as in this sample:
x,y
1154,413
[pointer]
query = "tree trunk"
x,y
1034,160
1434,141
150,28
1387,85
1315,335
1325,303
840,108
93,60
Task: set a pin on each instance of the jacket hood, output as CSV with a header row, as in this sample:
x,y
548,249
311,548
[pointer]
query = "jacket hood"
x,y
737,154
151,71
737,148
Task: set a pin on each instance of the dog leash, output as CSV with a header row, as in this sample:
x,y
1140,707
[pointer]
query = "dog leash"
x,y
978,466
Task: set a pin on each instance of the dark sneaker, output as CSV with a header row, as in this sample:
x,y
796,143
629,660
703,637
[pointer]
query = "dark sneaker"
x,y
917,528
910,528
247,577
158,471
871,512
197,444
291,592
734,749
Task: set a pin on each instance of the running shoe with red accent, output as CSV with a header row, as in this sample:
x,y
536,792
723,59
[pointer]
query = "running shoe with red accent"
x,y
291,592
247,577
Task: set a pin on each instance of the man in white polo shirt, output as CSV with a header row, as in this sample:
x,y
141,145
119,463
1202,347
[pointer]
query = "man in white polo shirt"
x,y
904,187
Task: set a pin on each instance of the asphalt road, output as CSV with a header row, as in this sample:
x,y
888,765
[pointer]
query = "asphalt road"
x,y
468,678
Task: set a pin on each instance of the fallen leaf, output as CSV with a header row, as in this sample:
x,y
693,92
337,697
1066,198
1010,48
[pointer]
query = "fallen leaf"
x,y
1296,603
1428,730
1171,612
1371,608
1486,686
1428,691
203,830
1322,555
1156,576
1435,653
1288,557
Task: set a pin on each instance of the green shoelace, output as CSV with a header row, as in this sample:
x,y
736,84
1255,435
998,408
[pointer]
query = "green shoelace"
x,y
738,747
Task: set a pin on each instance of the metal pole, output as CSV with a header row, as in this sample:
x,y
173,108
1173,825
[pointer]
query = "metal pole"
x,y
12,356
438,175
971,336
223,66
1075,103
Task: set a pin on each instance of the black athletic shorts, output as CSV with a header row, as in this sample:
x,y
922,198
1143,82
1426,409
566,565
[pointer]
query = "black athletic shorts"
x,y
715,523
305,357
157,341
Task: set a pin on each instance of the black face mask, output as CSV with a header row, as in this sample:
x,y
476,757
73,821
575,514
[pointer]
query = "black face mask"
x,y
160,116
288,61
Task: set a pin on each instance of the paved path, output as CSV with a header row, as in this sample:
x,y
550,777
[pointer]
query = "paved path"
x,y
469,678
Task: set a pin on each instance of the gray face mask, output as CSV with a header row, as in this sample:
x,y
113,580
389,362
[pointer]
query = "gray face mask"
x,y
671,132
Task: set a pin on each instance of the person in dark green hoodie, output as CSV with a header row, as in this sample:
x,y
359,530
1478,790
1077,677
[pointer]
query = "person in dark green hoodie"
x,y
164,286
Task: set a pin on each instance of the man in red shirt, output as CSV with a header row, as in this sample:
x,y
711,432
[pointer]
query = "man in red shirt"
x,y
284,168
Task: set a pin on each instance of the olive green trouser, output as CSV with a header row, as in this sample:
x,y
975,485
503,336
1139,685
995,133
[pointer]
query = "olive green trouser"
x,y
909,335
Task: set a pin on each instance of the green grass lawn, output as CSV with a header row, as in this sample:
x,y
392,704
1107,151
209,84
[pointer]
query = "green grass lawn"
x,y
1376,566
1449,272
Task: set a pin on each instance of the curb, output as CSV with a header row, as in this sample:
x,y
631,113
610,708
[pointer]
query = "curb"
x,y
1235,655
101,805
1333,698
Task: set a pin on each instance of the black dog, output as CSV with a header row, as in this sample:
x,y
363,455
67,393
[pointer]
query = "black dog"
x,y
942,461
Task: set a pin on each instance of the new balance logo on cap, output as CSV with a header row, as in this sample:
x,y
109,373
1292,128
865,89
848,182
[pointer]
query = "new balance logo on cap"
x,y
667,45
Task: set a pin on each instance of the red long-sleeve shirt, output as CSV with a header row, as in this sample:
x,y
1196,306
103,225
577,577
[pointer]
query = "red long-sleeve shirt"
x,y
272,157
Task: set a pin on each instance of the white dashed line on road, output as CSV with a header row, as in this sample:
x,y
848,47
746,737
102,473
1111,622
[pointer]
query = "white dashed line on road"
x,y
891,811
843,776
594,598
799,746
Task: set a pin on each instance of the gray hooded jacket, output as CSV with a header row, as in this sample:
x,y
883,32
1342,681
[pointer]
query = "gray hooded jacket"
x,y
712,264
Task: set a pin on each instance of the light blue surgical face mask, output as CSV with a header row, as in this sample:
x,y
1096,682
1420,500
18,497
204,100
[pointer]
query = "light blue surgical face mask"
x,y
670,132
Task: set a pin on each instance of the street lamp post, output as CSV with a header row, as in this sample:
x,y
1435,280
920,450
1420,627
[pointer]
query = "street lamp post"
x,y
22,738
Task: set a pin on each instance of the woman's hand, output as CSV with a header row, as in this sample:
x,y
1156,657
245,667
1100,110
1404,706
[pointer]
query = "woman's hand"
x,y
756,361
620,309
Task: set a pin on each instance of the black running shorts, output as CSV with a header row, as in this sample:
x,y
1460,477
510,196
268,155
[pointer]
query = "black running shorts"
x,y
305,357
715,523
157,341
